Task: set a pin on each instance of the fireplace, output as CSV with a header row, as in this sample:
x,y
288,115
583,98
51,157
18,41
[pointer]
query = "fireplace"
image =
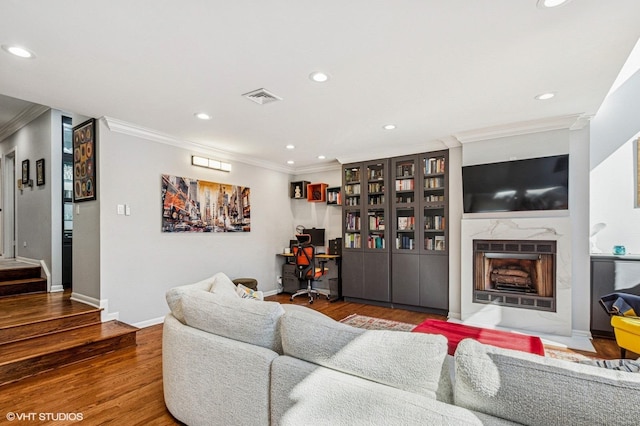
x,y
515,273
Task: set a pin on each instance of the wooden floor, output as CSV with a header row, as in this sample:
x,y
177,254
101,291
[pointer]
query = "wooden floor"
x,y
125,387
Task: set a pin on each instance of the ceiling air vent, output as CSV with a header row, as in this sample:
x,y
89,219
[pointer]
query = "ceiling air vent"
x,y
262,96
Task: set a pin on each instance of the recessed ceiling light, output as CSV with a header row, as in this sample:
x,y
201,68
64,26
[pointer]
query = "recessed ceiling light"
x,y
547,4
321,157
389,126
545,96
290,146
319,77
18,51
290,162
202,116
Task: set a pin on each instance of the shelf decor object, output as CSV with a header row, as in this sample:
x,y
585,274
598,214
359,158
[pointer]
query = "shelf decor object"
x,y
84,161
317,192
298,190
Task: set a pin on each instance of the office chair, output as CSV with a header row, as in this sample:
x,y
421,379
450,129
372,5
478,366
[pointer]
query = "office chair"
x,y
305,260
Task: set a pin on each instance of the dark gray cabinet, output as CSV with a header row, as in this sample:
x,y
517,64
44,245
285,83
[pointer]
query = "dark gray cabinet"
x,y
419,208
611,274
365,254
394,231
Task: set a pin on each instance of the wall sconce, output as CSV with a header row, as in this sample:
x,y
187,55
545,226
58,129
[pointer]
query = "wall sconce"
x,y
210,163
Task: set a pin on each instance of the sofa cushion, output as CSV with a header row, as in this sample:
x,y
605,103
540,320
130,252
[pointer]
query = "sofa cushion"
x,y
174,295
414,362
223,286
307,394
249,321
535,390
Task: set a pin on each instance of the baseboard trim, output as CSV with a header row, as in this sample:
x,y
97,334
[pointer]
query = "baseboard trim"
x,y
149,323
103,304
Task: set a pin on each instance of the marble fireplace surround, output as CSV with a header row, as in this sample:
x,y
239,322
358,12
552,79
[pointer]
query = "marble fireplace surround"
x,y
526,320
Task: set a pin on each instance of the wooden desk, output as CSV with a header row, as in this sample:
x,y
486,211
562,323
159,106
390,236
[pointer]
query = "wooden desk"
x,y
291,284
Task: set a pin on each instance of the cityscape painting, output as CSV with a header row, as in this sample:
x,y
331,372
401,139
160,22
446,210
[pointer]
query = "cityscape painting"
x,y
191,205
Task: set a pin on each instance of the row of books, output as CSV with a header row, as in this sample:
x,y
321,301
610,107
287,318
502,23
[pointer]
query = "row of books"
x,y
352,201
404,185
406,223
352,240
375,242
334,197
434,183
353,189
375,200
375,174
376,187
434,222
352,175
376,223
434,165
352,221
405,169
435,243
405,243
433,197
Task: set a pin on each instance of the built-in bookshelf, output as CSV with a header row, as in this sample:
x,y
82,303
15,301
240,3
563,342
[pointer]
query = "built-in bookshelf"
x,y
395,231
365,259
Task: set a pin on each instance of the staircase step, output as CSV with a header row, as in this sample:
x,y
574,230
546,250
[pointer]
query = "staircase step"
x,y
22,286
26,358
18,271
17,332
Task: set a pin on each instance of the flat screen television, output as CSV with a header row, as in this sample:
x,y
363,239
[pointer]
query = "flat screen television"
x,y
521,185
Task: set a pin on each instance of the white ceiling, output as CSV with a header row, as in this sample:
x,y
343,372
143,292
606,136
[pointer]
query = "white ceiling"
x,y
438,69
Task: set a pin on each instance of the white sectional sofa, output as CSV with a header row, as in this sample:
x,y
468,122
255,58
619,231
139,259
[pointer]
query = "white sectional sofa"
x,y
234,361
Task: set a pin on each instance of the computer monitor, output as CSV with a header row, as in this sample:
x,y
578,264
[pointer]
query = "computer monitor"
x,y
317,236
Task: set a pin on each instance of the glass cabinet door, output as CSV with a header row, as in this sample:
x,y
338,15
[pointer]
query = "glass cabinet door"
x,y
352,178
405,203
434,202
376,206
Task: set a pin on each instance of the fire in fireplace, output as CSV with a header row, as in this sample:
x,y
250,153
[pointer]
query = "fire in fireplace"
x,y
515,273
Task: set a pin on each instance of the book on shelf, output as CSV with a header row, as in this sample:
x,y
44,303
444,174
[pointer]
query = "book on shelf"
x,y
439,243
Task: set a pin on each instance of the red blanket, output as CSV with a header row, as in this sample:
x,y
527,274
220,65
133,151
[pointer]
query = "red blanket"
x,y
456,332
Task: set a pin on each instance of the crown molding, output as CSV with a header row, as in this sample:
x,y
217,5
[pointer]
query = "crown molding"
x,y
25,117
335,165
396,151
130,129
524,127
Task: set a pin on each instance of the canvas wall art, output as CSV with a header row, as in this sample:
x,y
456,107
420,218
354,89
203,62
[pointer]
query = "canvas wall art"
x,y
84,161
191,205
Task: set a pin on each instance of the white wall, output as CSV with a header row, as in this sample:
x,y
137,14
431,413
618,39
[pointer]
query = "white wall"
x,y
138,263
613,201
613,168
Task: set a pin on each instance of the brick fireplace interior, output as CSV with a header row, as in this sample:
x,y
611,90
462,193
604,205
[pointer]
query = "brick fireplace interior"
x,y
515,273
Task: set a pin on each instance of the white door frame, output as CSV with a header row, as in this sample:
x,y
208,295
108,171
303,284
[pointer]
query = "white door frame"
x,y
9,205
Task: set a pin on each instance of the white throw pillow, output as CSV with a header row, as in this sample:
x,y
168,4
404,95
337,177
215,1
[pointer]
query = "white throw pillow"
x,y
223,286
